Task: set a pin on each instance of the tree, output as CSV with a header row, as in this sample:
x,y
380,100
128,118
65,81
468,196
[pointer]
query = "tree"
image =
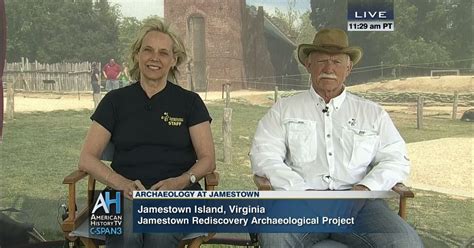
x,y
426,31
412,52
294,25
306,31
55,31
127,29
108,17
459,41
328,13
287,21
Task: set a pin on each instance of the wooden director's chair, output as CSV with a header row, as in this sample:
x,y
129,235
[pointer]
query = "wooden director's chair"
x,y
263,184
75,225
403,192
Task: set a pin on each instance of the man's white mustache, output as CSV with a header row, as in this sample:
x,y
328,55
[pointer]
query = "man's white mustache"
x,y
324,75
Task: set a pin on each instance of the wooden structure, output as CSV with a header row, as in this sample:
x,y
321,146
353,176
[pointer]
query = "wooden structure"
x,y
39,77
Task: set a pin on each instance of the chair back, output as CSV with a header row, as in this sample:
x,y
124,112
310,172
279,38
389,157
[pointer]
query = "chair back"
x,y
108,153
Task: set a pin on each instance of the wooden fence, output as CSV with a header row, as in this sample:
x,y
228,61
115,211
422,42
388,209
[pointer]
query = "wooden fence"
x,y
59,77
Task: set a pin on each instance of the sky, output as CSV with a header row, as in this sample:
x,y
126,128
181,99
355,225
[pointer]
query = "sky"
x,y
143,8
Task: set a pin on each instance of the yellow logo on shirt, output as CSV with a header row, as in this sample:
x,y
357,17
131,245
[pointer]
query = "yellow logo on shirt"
x,y
172,121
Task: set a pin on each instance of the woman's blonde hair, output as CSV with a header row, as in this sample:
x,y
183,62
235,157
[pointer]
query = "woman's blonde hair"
x,y
157,24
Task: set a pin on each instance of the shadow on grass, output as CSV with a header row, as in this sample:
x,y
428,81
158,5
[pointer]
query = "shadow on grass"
x,y
441,220
44,214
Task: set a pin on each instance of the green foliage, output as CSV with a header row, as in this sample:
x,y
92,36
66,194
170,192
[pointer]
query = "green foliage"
x,y
128,28
55,31
329,13
408,51
295,25
459,36
425,32
287,21
306,30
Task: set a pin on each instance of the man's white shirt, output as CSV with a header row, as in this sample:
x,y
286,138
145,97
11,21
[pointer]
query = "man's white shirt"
x,y
303,143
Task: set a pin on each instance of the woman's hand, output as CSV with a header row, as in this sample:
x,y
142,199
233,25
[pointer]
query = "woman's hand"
x,y
173,183
128,186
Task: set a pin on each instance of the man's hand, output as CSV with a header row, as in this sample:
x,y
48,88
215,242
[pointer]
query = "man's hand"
x,y
173,183
360,187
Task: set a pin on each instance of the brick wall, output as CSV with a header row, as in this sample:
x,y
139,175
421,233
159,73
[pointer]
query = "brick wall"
x,y
223,37
237,48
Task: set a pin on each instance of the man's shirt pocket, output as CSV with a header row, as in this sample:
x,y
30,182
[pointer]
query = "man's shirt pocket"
x,y
301,140
360,147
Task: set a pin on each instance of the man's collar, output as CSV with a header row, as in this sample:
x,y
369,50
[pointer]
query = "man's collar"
x,y
336,102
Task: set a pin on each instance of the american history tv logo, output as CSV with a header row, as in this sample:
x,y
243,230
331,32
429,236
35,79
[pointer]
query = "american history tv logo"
x,y
106,216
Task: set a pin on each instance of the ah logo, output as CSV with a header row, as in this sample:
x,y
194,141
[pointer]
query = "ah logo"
x,y
107,202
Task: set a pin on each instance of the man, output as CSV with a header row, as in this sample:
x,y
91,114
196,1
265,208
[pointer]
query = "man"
x,y
111,73
328,139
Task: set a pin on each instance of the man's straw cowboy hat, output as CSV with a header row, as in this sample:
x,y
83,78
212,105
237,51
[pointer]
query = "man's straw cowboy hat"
x,y
330,40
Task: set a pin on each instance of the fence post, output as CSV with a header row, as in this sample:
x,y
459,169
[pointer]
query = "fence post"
x,y
10,100
381,69
399,71
455,105
77,86
223,86
419,113
227,128
275,95
227,95
208,71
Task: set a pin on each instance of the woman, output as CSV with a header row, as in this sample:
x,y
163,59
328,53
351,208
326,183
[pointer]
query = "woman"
x,y
161,132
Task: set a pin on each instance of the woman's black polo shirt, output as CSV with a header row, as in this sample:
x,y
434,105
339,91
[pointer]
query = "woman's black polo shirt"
x,y
151,135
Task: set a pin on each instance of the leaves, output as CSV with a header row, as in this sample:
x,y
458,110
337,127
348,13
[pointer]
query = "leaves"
x,y
62,31
425,32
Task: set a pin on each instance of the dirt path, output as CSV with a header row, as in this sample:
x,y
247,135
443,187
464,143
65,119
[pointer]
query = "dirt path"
x,y
51,102
445,84
443,165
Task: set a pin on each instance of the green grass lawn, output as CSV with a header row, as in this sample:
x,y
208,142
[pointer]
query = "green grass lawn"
x,y
39,149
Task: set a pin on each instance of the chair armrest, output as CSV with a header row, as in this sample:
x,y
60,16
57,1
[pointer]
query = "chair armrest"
x,y
404,193
74,177
403,190
75,216
262,183
212,179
